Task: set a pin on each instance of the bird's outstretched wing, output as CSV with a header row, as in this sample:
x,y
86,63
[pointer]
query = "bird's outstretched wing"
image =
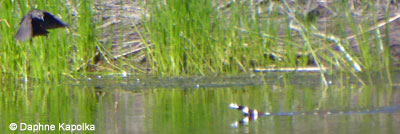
x,y
25,29
51,22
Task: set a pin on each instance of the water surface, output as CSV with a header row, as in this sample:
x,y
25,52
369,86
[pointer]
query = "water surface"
x,y
137,104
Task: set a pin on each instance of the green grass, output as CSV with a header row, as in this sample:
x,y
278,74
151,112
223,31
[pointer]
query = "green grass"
x,y
50,58
198,37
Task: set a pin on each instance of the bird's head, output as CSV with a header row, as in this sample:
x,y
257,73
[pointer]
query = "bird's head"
x,y
37,15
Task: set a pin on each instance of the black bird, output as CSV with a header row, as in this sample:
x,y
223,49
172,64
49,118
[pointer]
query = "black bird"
x,y
35,23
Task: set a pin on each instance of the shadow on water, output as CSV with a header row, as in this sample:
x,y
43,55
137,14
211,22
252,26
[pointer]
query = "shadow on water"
x,y
200,104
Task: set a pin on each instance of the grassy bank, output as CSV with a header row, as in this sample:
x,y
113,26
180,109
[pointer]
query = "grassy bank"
x,y
62,53
206,36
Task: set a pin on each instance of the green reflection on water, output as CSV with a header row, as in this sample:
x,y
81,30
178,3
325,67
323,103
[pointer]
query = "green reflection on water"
x,y
205,110
47,104
120,109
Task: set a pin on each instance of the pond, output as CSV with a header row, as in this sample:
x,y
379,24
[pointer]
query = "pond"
x,y
145,104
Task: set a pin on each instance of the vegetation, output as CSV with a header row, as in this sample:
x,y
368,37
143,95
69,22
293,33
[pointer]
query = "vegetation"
x,y
63,53
204,37
201,37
